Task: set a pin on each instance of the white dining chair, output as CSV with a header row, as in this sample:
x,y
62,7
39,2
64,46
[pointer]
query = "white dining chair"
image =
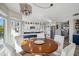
x,y
69,50
60,40
18,47
2,51
1,47
10,51
40,35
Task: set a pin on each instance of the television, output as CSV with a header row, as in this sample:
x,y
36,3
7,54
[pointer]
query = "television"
x,y
32,27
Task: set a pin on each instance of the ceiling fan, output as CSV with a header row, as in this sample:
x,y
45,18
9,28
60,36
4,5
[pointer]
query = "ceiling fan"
x,y
75,14
43,5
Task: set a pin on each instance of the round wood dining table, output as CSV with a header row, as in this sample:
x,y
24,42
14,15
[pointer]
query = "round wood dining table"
x,y
46,48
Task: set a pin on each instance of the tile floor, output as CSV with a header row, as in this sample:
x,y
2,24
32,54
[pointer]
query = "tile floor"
x,y
76,50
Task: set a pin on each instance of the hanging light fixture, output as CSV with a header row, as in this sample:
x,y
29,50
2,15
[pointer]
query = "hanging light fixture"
x,y
26,9
44,6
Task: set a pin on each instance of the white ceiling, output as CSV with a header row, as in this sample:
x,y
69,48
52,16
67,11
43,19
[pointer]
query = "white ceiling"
x,y
59,11
13,6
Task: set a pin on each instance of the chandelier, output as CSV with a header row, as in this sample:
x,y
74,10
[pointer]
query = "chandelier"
x,y
43,5
26,9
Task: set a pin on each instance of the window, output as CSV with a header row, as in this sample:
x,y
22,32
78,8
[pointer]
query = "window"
x,y
1,32
15,25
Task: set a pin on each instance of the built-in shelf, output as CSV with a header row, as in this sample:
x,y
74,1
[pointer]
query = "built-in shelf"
x,y
77,26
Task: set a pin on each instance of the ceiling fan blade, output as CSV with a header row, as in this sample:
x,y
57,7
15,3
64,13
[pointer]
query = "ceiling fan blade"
x,y
75,14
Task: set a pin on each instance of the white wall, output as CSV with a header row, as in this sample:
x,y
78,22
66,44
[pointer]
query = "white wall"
x,y
48,29
72,27
71,30
38,27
